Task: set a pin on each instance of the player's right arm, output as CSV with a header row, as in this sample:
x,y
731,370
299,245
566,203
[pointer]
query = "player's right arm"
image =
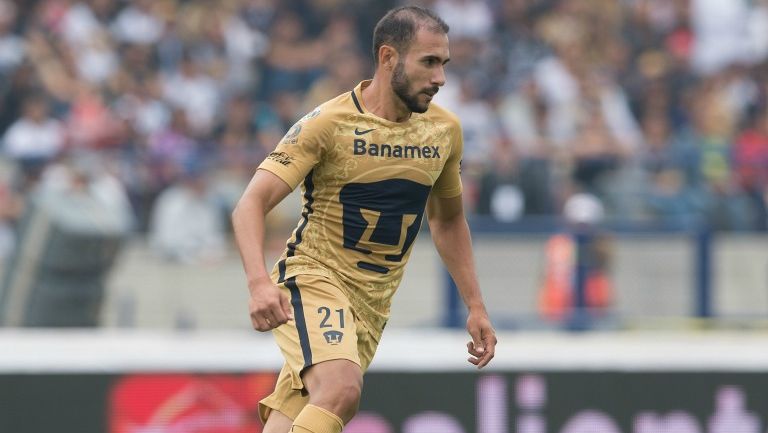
x,y
268,306
281,171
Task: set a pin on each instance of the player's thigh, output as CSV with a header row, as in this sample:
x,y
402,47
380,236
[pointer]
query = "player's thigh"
x,y
323,328
334,377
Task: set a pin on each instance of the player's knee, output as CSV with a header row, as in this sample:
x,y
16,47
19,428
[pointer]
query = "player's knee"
x,y
337,388
348,395
343,399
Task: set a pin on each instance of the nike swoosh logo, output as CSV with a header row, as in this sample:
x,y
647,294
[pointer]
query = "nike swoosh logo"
x,y
359,132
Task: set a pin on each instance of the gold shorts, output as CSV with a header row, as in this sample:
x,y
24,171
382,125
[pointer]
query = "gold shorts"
x,y
324,328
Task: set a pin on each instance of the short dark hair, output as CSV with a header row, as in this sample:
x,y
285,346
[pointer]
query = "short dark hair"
x,y
399,26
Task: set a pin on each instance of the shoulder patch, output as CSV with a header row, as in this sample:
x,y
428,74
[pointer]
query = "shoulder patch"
x,y
311,115
291,137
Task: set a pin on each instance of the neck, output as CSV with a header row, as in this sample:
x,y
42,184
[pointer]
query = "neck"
x,y
381,100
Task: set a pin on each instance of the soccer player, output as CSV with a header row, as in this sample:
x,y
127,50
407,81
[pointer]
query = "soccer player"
x,y
370,162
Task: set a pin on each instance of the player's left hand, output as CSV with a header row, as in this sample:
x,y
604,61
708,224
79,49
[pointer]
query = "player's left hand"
x,y
483,344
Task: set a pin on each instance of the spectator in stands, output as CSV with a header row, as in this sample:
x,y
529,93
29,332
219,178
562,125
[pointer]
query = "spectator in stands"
x,y
758,31
138,24
89,174
670,168
91,123
142,107
169,149
344,69
712,134
498,192
79,22
518,48
115,71
596,155
340,34
524,118
293,61
721,37
34,139
11,206
194,93
187,223
11,45
482,134
467,18
239,150
750,157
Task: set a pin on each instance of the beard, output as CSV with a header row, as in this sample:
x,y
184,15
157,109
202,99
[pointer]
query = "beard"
x,y
401,85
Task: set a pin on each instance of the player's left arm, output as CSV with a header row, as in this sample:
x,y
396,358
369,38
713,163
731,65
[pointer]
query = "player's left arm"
x,y
450,233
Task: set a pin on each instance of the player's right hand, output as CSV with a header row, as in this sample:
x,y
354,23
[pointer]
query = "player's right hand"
x,y
269,307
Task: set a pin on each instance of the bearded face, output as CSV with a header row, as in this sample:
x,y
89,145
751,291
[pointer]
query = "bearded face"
x,y
417,100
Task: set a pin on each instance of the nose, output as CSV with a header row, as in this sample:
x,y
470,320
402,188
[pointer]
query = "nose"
x,y
438,77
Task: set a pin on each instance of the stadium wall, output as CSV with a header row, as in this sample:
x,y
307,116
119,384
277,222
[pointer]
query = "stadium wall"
x,y
653,277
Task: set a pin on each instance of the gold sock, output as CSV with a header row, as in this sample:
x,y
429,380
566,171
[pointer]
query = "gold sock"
x,y
314,419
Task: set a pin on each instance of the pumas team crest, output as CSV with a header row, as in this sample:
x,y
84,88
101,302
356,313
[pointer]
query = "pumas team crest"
x,y
333,337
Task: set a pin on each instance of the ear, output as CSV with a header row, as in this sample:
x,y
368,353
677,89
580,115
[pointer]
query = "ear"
x,y
388,57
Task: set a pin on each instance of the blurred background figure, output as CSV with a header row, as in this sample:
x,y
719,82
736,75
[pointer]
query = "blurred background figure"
x,y
70,233
578,260
11,44
187,223
10,210
34,140
750,157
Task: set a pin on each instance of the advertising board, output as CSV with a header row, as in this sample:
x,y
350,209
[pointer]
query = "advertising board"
x,y
401,402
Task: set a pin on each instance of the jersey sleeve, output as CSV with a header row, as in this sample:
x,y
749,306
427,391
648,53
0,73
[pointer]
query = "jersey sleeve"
x,y
299,150
448,184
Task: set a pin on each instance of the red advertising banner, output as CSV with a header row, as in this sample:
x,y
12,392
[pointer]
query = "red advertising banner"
x,y
188,403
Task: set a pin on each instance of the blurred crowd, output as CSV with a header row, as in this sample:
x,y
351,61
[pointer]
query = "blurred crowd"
x,y
635,110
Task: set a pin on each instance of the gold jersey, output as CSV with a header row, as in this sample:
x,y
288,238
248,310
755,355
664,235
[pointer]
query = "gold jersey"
x,y
365,182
